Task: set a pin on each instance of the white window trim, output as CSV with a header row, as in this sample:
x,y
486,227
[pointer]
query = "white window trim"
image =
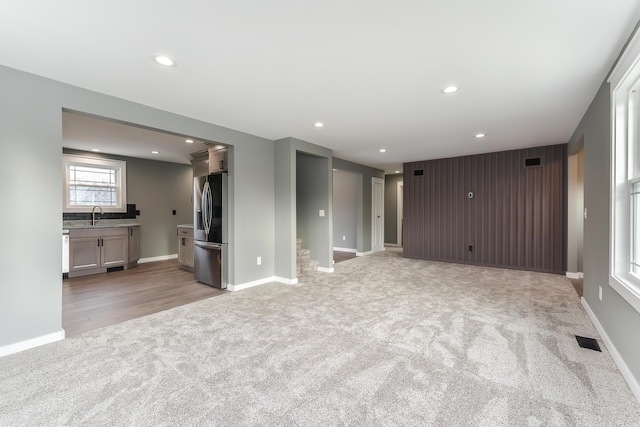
x,y
624,78
121,177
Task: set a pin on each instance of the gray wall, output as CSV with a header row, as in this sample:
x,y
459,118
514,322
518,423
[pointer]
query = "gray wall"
x,y
391,207
618,318
156,188
31,148
347,187
286,151
364,208
312,194
575,209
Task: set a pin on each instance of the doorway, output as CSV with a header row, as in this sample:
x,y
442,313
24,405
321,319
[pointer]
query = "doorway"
x,y
377,214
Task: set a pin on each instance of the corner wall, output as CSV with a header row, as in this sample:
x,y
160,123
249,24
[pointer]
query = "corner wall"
x,y
617,317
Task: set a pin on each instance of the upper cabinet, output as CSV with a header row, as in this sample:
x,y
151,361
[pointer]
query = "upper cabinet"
x,y
215,159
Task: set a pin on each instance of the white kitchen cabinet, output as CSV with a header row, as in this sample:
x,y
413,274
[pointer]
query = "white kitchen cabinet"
x,y
134,244
185,247
218,160
94,250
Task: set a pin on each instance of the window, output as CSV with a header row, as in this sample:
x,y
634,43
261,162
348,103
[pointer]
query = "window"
x,y
89,182
625,175
635,231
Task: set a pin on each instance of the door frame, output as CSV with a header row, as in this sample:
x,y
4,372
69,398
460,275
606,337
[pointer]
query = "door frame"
x,y
399,212
380,247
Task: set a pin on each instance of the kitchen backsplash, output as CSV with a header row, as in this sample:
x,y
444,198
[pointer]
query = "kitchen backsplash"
x,y
131,213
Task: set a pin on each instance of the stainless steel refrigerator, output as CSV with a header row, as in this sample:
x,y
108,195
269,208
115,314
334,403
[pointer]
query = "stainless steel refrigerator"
x,y
210,229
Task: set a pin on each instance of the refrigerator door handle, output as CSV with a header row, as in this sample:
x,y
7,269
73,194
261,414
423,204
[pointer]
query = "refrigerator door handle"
x,y
208,245
206,207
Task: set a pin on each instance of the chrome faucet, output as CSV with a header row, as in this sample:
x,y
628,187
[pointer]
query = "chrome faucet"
x,y
93,214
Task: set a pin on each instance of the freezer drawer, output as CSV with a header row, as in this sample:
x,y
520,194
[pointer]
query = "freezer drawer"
x,y
207,264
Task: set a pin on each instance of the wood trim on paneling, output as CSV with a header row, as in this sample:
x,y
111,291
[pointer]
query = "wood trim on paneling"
x,y
516,218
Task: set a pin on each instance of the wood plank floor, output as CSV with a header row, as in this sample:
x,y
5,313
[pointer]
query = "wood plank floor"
x,y
339,256
92,302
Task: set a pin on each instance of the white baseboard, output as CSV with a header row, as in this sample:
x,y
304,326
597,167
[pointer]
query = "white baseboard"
x,y
578,275
617,358
393,245
259,282
33,342
286,281
364,253
157,258
325,269
351,250
369,252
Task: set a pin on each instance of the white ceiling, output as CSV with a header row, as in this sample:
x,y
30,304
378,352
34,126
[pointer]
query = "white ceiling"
x,y
371,70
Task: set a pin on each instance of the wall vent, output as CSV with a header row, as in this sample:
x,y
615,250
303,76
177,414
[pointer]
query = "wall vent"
x,y
418,172
532,162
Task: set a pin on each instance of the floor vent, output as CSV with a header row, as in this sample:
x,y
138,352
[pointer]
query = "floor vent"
x,y
589,343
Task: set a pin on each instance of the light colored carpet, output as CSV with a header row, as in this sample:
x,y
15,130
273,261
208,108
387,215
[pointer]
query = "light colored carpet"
x,y
382,341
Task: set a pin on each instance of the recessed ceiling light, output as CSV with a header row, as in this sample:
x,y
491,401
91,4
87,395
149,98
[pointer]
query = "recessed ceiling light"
x,y
318,124
450,89
397,171
155,152
164,60
97,150
189,141
334,169
383,150
480,135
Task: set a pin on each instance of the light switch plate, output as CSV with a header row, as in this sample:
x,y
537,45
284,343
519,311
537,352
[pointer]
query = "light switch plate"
x,y
259,260
321,212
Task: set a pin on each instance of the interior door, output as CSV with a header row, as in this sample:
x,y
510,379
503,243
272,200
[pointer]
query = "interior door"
x,y
377,214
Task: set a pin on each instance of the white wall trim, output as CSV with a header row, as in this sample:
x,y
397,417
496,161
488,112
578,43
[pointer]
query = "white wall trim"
x,y
285,281
393,245
399,212
351,250
365,253
617,358
31,343
578,275
325,269
234,288
157,258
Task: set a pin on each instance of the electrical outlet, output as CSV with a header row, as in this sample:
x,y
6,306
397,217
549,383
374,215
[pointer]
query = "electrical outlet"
x,y
600,292
344,237
585,213
470,248
259,261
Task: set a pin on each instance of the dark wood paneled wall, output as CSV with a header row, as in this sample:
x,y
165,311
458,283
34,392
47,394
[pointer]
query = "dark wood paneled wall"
x,y
516,218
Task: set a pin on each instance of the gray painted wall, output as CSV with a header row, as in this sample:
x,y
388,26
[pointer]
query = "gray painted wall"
x,y
364,209
312,194
156,188
618,318
391,207
31,141
346,195
286,151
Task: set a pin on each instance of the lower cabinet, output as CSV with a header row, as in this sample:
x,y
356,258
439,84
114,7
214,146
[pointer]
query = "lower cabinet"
x,y
134,244
185,247
93,251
